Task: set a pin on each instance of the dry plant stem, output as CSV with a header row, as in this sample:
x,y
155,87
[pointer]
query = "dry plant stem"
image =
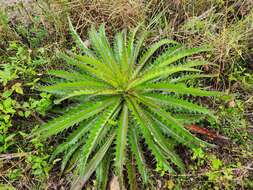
x,y
14,155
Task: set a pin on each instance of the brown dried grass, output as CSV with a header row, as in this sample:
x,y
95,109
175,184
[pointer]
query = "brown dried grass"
x,y
115,14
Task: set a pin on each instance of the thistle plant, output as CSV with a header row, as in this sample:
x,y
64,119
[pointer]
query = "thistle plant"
x,y
126,101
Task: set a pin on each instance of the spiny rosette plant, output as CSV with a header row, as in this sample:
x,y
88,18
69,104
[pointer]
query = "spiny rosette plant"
x,y
128,102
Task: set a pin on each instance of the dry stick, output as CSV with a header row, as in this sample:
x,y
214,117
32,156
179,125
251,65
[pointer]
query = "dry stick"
x,y
38,118
13,166
14,155
7,181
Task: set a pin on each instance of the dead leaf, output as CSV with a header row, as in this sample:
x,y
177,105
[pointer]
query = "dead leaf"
x,y
203,131
114,183
231,104
87,43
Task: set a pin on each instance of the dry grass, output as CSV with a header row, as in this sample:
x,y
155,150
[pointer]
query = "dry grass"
x,y
116,15
226,25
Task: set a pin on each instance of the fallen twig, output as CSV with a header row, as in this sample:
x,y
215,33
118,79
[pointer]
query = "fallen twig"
x,y
14,155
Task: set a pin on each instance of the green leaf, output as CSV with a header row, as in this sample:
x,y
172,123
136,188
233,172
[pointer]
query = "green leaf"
x,y
99,66
191,77
94,134
175,128
120,51
73,116
216,163
70,76
85,67
177,102
138,155
188,118
100,43
92,165
90,92
159,73
181,53
78,40
74,86
150,52
17,88
137,49
142,120
102,172
131,173
178,88
70,152
121,142
74,137
161,140
194,63
131,48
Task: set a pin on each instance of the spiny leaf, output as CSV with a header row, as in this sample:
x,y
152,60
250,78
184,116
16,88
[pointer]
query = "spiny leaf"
x,y
110,126
120,50
102,46
194,63
95,63
92,165
137,49
164,56
85,67
74,137
143,121
191,77
172,101
121,142
102,172
176,129
150,52
69,153
71,76
178,88
92,92
181,53
131,48
74,86
138,155
159,73
131,173
78,40
73,116
162,142
95,133
186,118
